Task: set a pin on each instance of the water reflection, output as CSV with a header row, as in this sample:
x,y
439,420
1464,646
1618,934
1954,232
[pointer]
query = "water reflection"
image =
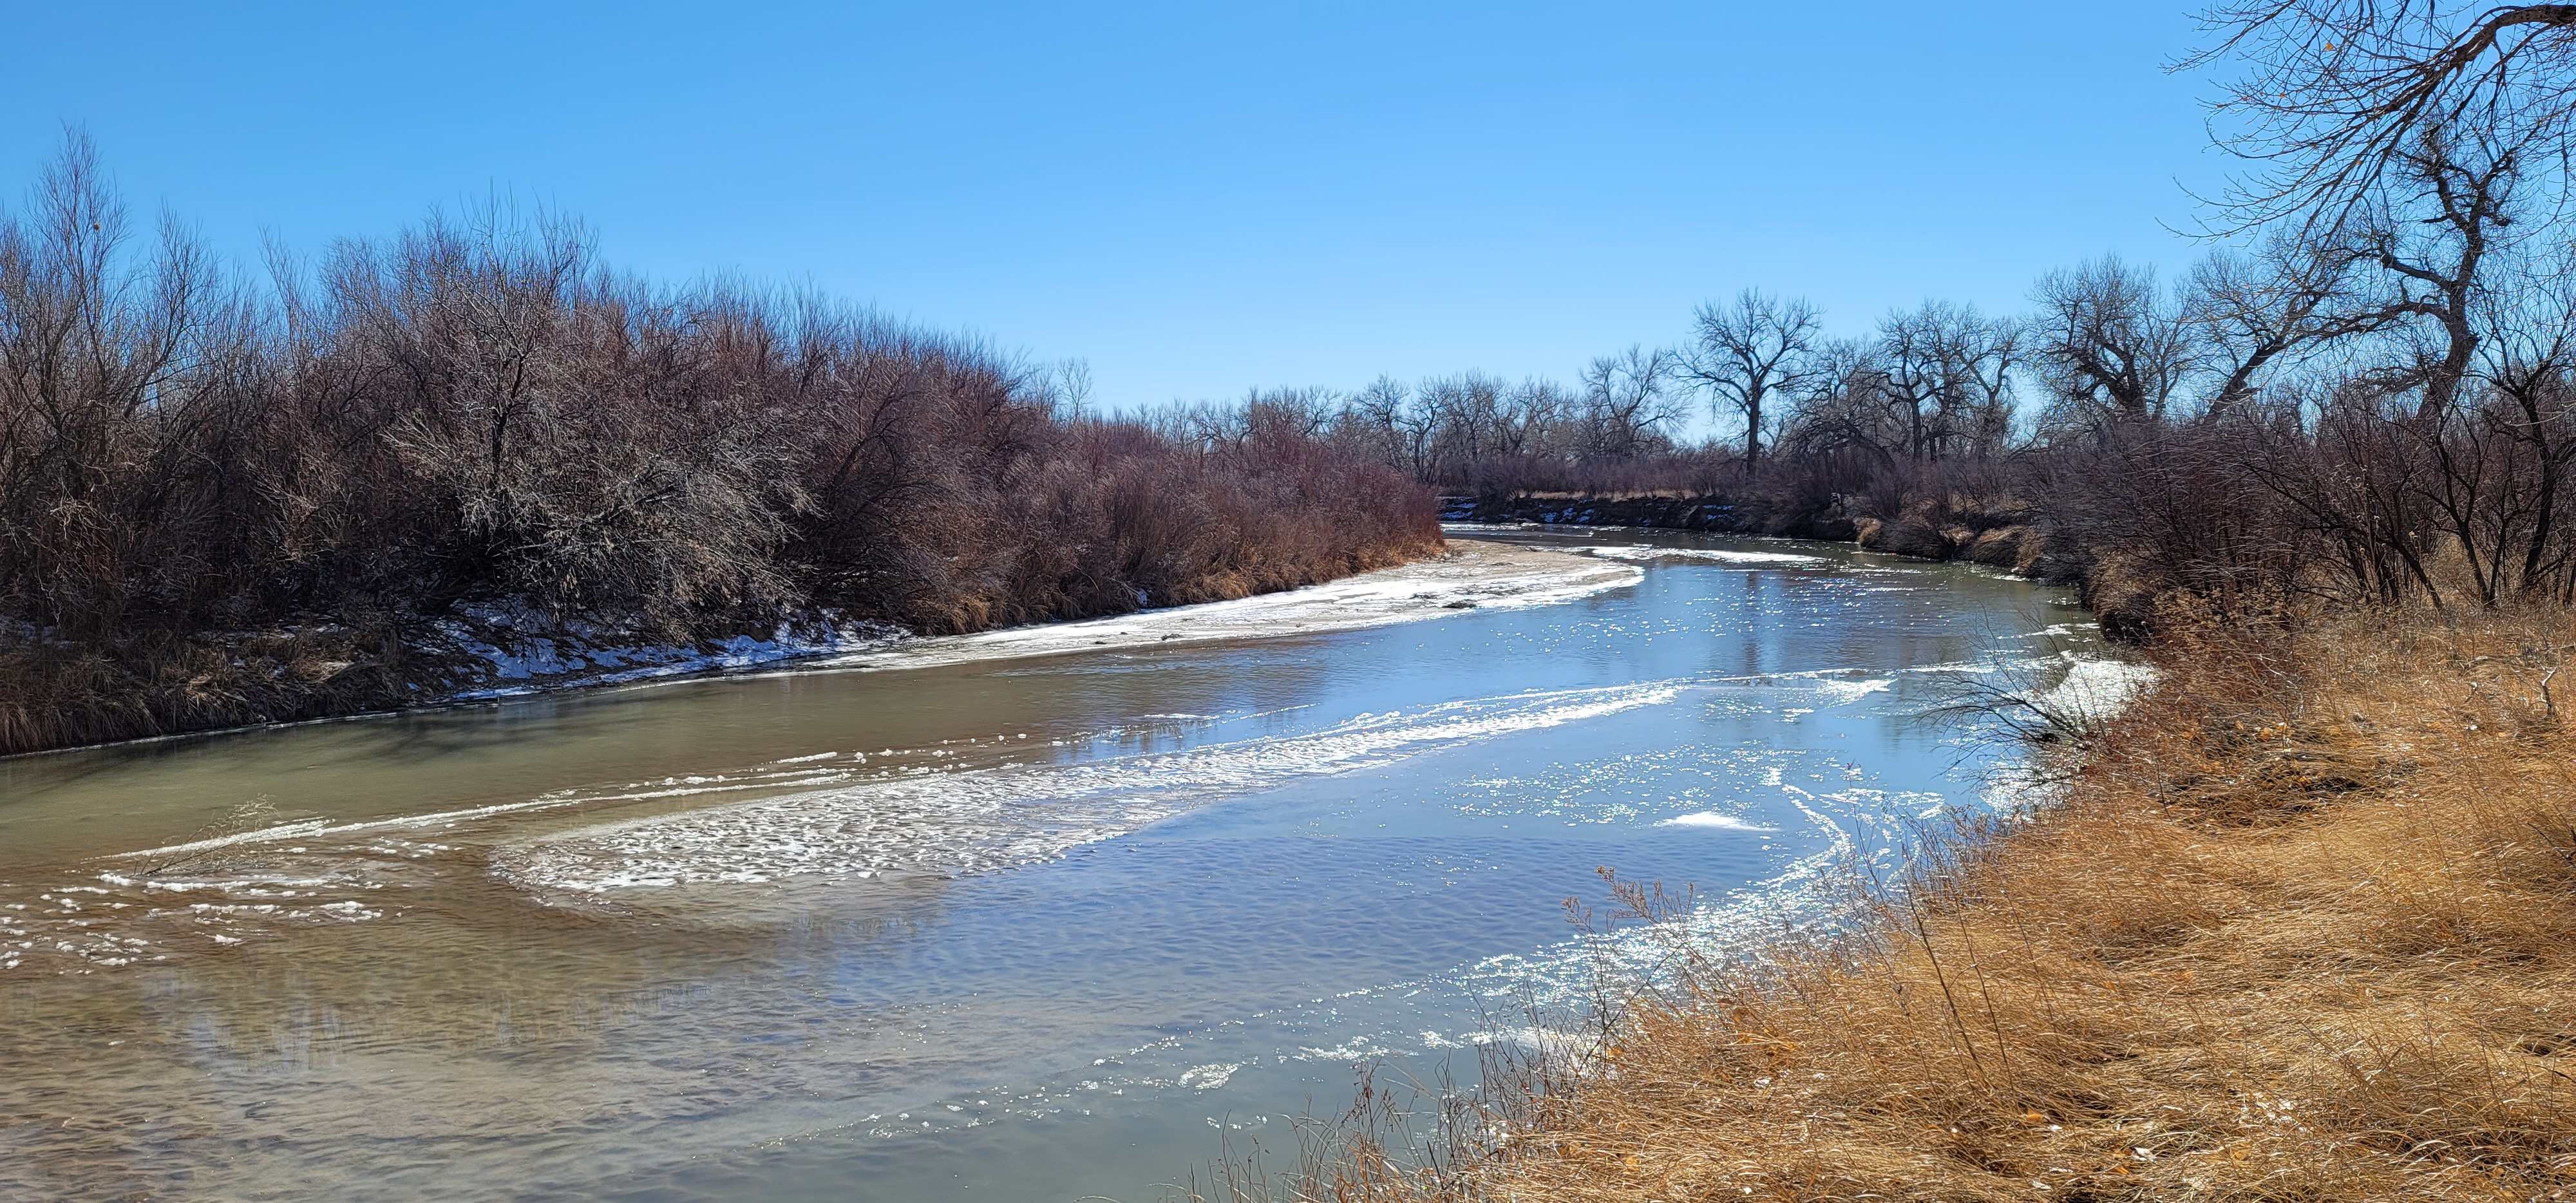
x,y
1356,843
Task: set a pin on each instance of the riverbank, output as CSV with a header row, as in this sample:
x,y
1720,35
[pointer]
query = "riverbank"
x,y
854,901
1997,532
479,653
334,508
2303,926
1471,574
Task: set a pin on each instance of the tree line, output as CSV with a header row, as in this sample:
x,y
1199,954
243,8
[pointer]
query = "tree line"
x,y
482,410
2379,406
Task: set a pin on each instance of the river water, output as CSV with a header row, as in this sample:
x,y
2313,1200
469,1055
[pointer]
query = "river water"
x,y
1044,928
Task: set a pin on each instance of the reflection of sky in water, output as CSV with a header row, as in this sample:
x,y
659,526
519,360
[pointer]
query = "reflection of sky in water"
x,y
1198,884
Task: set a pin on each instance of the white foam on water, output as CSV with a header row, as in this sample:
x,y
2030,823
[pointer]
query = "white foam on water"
x,y
988,819
1647,553
670,787
262,835
1710,818
1853,691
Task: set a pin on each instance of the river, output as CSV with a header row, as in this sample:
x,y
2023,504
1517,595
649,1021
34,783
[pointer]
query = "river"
x,y
1040,928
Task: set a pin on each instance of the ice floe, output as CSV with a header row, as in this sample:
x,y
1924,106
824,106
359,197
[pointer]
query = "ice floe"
x,y
1710,818
989,819
1478,576
1649,553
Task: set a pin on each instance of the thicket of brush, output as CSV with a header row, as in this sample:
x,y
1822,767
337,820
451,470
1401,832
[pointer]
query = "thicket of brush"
x,y
2305,424
223,503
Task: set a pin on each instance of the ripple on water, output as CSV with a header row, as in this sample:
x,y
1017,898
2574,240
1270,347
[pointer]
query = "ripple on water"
x,y
998,818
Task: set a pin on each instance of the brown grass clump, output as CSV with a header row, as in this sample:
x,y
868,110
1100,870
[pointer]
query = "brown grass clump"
x,y
2303,929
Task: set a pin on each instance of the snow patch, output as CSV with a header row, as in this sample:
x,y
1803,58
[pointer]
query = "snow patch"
x,y
1648,553
1853,691
1710,818
2094,690
586,653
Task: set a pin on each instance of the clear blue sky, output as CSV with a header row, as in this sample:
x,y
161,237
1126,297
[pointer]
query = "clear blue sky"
x,y
1194,198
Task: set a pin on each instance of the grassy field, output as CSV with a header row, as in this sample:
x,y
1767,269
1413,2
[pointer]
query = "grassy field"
x,y
2302,928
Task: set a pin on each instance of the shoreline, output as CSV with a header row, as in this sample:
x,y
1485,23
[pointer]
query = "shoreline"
x,y
2010,536
1482,574
2298,927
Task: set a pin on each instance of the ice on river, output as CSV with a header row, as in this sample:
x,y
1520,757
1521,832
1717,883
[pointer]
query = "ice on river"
x,y
1477,575
1710,818
1649,553
982,820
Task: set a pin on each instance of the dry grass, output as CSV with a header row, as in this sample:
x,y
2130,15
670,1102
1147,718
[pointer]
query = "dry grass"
x,y
59,695
2304,929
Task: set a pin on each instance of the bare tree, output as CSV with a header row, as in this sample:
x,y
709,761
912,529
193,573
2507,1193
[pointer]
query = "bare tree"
x,y
2250,312
2111,345
1845,405
1628,406
109,371
2433,227
1387,417
1945,370
1531,418
1065,387
2336,94
1468,409
1748,352
2529,369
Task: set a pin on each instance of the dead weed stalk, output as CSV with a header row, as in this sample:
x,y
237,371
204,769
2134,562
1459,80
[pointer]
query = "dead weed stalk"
x,y
2302,928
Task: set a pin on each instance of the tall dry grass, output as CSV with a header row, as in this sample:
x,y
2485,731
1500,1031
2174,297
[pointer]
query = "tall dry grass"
x,y
2304,928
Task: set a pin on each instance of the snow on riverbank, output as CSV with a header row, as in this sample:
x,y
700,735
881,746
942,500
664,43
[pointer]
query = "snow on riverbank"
x,y
1645,553
1474,575
582,654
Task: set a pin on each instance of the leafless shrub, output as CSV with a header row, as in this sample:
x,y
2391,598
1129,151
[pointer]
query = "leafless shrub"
x,y
479,410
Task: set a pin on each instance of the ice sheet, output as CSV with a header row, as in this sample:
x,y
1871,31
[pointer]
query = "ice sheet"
x,y
1475,576
982,820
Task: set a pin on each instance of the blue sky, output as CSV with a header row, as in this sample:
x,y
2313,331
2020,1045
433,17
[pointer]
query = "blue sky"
x,y
1194,198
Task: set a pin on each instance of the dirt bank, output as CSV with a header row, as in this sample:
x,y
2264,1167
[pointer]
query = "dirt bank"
x,y
483,652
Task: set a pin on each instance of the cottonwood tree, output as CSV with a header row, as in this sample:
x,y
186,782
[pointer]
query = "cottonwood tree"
x,y
2337,94
1531,418
1946,370
1628,406
1750,351
1844,405
1842,433
1468,409
1385,417
2433,226
2493,466
2249,313
2529,370
2112,347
